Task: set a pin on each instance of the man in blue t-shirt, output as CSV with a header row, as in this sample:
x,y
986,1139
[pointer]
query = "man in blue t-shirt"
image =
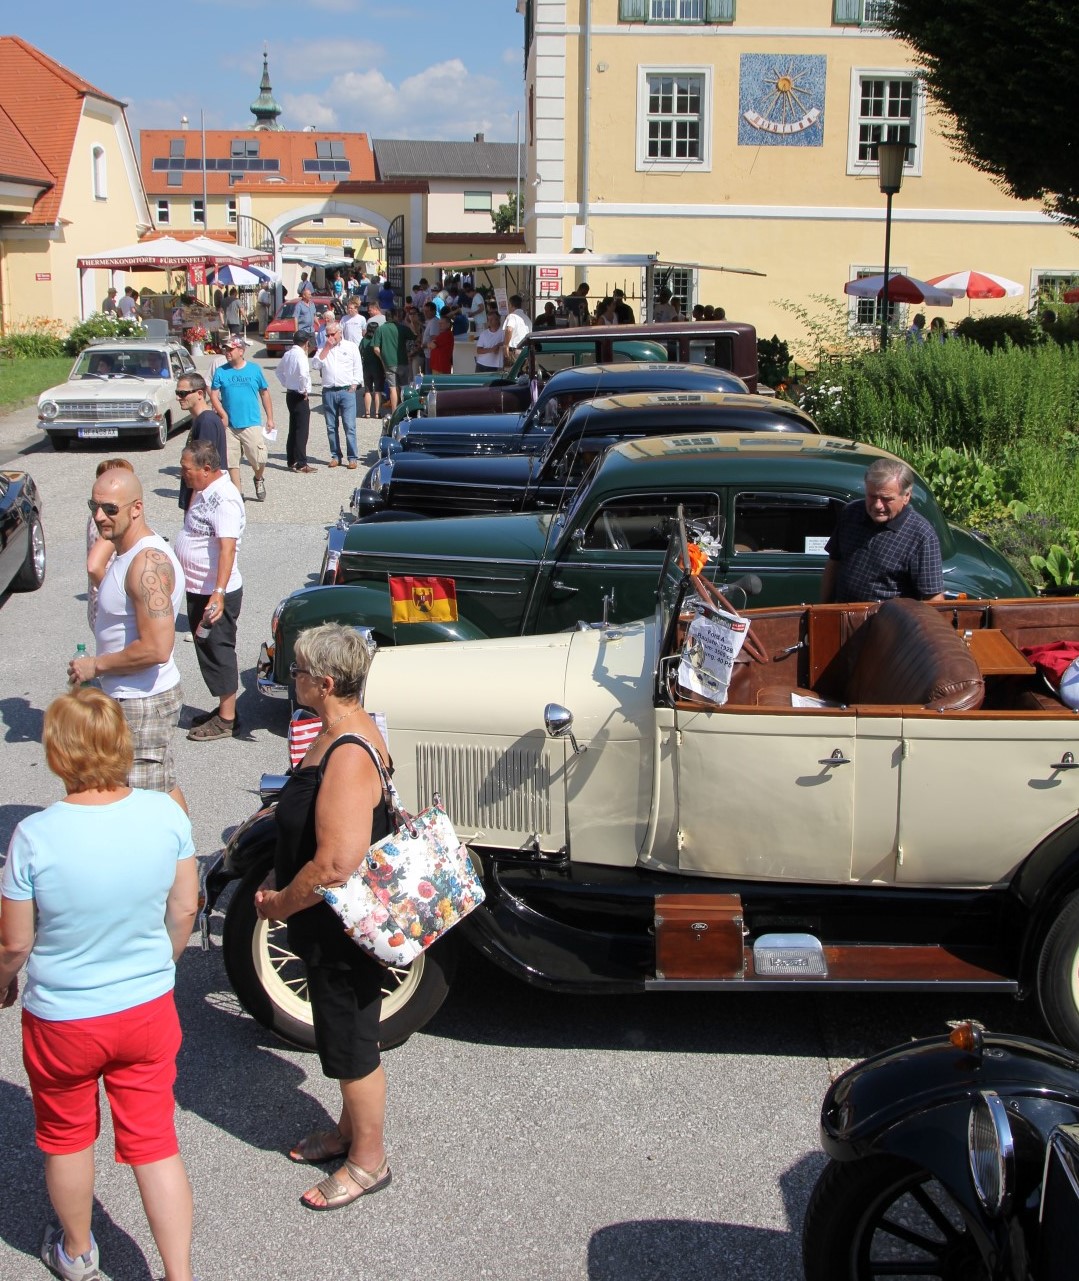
x,y
239,394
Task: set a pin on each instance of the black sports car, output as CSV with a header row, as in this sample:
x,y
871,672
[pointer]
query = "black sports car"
x,y
22,535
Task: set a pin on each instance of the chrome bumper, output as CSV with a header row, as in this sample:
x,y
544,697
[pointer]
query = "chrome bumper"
x,y
264,677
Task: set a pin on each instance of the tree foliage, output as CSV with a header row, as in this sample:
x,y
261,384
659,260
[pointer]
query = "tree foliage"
x,y
1000,69
507,217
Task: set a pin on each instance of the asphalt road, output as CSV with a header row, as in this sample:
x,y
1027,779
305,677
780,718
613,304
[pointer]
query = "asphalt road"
x,y
532,1136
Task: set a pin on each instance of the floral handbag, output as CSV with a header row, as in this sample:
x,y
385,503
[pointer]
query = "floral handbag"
x,y
412,885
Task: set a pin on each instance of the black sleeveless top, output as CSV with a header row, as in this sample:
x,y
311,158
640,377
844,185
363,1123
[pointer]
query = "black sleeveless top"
x,y
316,934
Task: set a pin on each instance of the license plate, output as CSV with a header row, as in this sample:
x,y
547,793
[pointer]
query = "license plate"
x,y
98,433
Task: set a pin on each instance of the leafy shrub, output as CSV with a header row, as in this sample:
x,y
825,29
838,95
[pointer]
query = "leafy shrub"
x,y
98,325
1064,330
773,360
992,332
38,338
968,489
1060,565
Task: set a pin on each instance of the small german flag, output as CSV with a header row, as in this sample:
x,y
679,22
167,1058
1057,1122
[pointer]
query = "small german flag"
x,y
422,600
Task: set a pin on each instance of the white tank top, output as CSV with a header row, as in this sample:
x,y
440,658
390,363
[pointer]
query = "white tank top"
x,y
115,627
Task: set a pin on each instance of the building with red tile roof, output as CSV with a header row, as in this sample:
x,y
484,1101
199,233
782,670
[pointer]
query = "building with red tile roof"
x,y
69,184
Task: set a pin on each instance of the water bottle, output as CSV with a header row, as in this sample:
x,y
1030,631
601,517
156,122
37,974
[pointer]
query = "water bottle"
x,y
203,629
80,652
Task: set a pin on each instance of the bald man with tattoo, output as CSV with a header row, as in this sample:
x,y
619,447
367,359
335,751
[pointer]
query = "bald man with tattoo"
x,y
135,631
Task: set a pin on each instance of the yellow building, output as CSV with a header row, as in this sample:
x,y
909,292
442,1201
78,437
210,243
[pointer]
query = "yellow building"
x,y
741,132
69,186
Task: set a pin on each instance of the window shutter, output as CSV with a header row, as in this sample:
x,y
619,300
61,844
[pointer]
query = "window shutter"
x,y
632,10
848,13
719,10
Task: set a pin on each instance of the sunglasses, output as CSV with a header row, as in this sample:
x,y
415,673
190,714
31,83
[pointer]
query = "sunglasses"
x,y
295,671
109,509
183,392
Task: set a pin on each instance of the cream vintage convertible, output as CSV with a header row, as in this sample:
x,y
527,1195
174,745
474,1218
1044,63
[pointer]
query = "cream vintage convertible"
x,y
889,798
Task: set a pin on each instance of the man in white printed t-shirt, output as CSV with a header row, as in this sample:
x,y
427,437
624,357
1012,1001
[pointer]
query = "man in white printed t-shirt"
x,y
135,630
207,548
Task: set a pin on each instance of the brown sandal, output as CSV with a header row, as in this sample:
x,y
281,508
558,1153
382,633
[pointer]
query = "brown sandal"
x,y
319,1146
337,1195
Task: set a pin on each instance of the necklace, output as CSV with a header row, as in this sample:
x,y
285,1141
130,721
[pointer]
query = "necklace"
x,y
326,728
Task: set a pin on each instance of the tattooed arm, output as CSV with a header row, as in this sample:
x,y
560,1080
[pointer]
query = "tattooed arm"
x,y
149,585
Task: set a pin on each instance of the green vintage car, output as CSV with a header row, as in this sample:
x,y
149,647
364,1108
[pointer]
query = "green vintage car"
x,y
770,502
511,390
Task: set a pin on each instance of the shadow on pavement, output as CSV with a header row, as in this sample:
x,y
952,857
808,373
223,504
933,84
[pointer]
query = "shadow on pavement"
x,y
26,1209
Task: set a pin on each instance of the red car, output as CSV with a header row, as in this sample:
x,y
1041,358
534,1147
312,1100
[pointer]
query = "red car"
x,y
280,330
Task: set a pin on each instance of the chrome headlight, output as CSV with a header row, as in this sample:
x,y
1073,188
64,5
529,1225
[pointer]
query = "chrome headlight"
x,y
275,618
48,409
991,1151
147,409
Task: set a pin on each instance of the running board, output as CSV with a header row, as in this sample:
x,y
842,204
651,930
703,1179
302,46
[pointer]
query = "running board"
x,y
857,967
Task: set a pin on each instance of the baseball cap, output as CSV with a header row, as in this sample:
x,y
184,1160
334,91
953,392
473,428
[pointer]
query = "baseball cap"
x,y
234,340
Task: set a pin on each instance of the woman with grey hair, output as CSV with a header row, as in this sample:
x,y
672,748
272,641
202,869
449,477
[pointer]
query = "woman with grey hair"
x,y
329,813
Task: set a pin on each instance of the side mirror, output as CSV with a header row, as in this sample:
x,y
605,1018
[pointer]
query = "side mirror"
x,y
558,721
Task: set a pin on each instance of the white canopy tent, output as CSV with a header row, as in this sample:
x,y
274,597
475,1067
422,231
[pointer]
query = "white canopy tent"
x,y
166,253
586,261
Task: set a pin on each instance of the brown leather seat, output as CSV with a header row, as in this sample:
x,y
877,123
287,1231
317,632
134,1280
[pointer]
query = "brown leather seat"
x,y
911,655
905,654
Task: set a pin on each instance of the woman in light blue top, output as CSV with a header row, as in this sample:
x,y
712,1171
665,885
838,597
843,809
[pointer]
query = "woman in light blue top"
x,y
99,895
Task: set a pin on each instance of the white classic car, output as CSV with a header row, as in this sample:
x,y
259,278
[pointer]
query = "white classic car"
x,y
118,388
888,798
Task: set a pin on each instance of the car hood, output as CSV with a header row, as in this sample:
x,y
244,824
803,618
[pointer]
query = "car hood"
x,y
461,425
105,389
482,469
515,536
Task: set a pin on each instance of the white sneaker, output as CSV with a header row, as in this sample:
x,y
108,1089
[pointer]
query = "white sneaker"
x,y
84,1268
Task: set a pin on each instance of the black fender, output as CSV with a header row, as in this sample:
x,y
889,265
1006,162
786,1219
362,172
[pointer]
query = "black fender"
x,y
1044,880
914,1102
252,842
522,931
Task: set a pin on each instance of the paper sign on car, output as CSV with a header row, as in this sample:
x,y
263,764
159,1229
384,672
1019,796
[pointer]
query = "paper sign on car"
x,y
713,643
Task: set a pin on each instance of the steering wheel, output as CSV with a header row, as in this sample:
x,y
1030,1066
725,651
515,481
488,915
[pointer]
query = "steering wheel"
x,y
615,538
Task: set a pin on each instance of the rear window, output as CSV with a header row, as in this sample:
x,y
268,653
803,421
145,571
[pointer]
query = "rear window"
x,y
776,523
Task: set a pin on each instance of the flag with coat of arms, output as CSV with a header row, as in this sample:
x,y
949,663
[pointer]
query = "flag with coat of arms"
x,y
422,600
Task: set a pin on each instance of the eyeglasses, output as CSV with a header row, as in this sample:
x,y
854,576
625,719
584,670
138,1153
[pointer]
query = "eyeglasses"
x,y
110,509
295,671
183,392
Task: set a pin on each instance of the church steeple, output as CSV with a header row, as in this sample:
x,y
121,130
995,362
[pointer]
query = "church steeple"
x,y
265,109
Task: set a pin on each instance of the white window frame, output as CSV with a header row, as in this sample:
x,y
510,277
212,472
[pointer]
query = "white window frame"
x,y
1062,275
198,219
164,213
230,212
99,172
478,195
898,309
648,164
868,169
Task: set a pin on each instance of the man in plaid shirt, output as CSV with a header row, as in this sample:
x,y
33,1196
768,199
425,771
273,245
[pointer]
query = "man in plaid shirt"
x,y
882,547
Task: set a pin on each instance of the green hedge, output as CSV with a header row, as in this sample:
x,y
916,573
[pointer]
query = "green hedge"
x,y
994,432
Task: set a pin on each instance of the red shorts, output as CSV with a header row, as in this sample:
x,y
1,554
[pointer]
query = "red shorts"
x,y
134,1051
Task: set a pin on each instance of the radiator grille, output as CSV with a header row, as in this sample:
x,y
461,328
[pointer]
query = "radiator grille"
x,y
92,411
487,789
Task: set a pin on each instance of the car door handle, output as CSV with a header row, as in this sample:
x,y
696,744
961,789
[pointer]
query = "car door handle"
x,y
559,586
836,758
1067,761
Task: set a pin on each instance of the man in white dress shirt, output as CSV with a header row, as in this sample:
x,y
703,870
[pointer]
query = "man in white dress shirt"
x,y
294,374
338,361
517,326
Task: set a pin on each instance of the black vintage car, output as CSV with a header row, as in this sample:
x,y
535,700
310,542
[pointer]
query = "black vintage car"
x,y
22,535
529,433
413,482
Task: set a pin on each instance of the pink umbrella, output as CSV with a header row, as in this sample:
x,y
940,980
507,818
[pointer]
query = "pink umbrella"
x,y
977,284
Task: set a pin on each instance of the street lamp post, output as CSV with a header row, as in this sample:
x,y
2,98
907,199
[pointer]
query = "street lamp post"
x,y
891,156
